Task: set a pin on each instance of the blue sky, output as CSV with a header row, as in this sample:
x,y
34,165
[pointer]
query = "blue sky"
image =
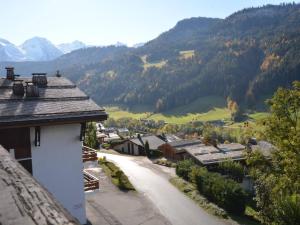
x,y
100,22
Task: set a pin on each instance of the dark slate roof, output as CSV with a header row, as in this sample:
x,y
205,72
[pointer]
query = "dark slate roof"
x,y
184,143
61,100
266,148
23,201
211,155
154,142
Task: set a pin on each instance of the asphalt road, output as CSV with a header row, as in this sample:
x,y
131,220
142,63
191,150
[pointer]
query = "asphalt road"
x,y
154,183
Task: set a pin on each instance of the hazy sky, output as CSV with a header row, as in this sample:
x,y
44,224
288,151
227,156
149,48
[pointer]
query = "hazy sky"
x,y
102,22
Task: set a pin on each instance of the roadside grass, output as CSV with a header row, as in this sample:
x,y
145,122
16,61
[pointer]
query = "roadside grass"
x,y
109,151
117,176
250,217
191,191
164,162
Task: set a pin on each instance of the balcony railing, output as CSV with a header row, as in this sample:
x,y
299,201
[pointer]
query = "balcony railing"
x,y
90,182
88,154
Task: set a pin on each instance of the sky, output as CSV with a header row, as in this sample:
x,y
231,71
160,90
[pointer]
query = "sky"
x,y
104,22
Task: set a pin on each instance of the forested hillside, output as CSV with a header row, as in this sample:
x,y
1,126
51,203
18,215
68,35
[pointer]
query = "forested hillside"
x,y
244,57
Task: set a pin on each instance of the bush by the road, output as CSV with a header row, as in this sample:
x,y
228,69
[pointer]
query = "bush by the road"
x,y
232,169
226,193
183,168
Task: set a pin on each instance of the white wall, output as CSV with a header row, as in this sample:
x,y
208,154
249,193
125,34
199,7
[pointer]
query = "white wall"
x,y
57,165
125,147
136,150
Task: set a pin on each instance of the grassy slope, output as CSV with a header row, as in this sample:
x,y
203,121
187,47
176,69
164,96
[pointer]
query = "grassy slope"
x,y
147,64
186,54
203,109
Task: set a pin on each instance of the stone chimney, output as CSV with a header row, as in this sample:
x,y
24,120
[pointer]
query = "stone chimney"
x,y
58,74
10,74
18,88
32,90
39,79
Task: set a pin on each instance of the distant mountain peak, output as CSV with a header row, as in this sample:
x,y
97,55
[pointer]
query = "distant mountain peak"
x,y
69,47
40,49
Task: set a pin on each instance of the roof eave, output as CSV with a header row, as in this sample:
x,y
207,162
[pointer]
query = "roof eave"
x,y
54,119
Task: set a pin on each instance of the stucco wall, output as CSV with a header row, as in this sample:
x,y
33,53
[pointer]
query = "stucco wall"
x,y
125,148
57,165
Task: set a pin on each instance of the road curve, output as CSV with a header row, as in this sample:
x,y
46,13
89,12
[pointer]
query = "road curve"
x,y
174,205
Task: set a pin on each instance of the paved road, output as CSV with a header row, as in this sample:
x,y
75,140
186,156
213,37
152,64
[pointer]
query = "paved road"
x,y
174,205
110,206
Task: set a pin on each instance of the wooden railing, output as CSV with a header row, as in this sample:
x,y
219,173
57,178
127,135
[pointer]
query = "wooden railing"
x,y
90,182
88,154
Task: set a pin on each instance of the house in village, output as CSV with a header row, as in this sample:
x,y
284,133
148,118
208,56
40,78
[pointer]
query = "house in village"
x,y
208,155
175,150
136,146
42,125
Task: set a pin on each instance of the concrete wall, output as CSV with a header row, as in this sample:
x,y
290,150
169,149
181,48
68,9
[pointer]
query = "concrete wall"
x,y
57,165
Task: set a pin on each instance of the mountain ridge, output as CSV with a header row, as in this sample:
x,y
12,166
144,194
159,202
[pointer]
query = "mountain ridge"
x,y
243,57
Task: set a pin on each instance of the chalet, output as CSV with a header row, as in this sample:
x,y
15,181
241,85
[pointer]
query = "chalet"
x,y
123,132
209,155
136,146
42,125
175,150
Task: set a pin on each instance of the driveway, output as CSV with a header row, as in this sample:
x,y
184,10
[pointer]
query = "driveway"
x,y
153,182
110,206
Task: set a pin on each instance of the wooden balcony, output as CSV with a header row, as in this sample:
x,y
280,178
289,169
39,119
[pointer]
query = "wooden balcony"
x,y
90,181
89,154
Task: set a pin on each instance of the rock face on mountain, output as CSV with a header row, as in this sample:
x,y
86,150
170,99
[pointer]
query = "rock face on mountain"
x,y
35,49
10,52
244,57
40,49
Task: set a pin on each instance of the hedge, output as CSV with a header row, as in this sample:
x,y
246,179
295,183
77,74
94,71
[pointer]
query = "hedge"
x,y
232,169
226,193
183,168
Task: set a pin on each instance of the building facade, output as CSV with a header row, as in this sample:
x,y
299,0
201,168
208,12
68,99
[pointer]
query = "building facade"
x,y
42,125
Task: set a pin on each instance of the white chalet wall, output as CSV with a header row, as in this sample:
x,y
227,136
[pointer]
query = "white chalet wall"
x,y
124,147
57,165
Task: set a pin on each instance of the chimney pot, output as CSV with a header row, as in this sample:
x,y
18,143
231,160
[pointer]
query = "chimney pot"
x,y
32,90
10,75
18,88
40,79
58,74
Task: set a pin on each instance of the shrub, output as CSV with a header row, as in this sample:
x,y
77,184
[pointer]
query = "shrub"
x,y
106,145
224,192
117,175
233,169
123,181
183,168
90,139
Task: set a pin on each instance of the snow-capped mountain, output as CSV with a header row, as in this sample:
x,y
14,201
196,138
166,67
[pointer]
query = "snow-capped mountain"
x,y
10,52
137,45
69,47
40,49
120,44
